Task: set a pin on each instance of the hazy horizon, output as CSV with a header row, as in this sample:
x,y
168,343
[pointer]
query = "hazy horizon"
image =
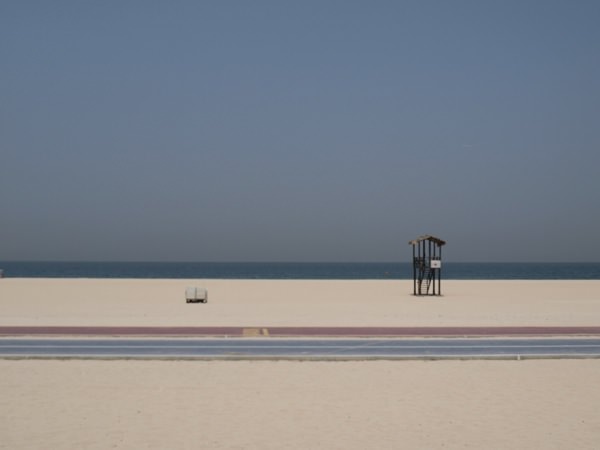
x,y
299,131
402,261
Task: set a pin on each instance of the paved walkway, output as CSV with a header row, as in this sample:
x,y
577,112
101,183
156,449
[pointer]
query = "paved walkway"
x,y
301,349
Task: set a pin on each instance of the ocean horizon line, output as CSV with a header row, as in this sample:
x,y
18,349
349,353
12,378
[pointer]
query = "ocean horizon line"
x,y
294,270
408,261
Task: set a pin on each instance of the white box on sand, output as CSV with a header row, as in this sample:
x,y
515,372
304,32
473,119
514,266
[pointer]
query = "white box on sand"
x,y
196,294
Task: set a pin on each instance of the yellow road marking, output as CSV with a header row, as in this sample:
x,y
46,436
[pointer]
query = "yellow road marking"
x,y
251,332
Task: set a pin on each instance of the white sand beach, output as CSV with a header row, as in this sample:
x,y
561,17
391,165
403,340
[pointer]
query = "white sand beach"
x,y
129,302
70,404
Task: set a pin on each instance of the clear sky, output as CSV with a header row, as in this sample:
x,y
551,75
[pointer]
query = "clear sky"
x,y
299,130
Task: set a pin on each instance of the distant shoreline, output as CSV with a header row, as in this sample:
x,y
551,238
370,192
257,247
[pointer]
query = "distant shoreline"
x,y
300,271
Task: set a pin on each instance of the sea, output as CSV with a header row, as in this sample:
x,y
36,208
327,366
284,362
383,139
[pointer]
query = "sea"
x,y
297,271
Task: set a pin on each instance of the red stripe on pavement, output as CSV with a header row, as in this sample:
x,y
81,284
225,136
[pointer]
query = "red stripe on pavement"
x,y
297,331
432,331
122,331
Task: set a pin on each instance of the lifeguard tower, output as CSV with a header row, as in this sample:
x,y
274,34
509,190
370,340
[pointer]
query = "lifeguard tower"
x,y
427,265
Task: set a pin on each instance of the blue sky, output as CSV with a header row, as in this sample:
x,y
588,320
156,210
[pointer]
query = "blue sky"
x,y
299,131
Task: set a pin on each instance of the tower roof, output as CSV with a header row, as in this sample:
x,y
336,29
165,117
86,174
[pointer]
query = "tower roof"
x,y
427,237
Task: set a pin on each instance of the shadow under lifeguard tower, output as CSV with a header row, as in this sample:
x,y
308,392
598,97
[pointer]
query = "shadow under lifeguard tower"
x,y
427,265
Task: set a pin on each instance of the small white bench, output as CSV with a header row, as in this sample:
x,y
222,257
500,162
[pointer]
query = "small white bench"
x,y
195,295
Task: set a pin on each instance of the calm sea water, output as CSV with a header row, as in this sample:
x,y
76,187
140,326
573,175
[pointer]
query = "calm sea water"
x,y
339,271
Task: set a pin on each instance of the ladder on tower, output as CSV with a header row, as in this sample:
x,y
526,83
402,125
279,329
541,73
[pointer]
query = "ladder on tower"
x,y
425,277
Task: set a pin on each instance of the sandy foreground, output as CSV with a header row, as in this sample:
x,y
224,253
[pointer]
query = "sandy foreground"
x,y
70,404
548,404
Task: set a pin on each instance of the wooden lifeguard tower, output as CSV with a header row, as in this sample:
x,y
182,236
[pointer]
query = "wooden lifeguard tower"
x,y
427,265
